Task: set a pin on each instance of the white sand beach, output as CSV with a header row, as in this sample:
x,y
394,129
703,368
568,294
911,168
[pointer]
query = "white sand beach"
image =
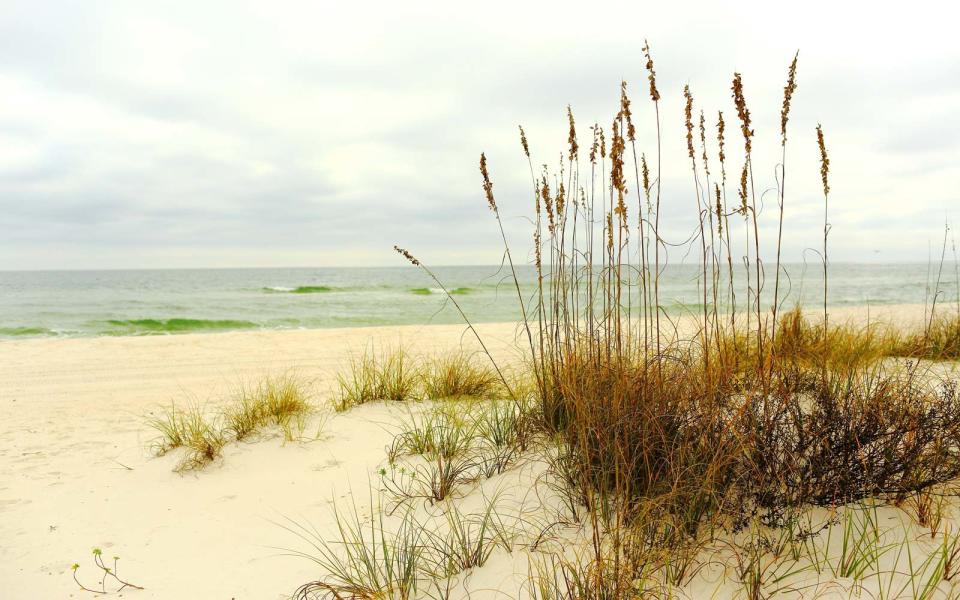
x,y
78,472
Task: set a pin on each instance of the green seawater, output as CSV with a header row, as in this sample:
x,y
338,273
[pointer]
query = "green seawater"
x,y
158,302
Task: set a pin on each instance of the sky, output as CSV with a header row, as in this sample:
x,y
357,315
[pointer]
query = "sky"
x,y
176,134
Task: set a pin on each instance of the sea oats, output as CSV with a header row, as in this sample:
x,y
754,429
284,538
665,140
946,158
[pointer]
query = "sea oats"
x,y
721,129
688,120
594,146
787,98
703,143
743,190
742,112
487,184
625,111
719,209
407,255
824,161
651,74
572,136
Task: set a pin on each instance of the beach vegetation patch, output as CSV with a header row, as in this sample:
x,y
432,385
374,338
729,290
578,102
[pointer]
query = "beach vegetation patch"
x,y
281,401
665,440
458,375
274,401
388,376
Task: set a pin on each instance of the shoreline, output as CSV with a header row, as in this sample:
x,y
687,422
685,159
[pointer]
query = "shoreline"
x,y
856,313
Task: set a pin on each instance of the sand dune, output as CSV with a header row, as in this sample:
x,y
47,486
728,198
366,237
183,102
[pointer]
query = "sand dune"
x,y
78,472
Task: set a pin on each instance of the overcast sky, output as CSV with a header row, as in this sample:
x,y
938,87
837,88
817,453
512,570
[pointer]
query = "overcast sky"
x,y
208,134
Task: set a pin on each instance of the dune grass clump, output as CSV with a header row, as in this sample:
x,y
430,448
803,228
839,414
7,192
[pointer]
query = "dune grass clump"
x,y
446,441
939,340
399,557
844,347
663,441
275,401
457,375
282,402
390,376
396,376
434,432
190,429
366,560
453,445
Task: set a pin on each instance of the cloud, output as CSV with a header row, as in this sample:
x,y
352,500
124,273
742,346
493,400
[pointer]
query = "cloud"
x,y
311,133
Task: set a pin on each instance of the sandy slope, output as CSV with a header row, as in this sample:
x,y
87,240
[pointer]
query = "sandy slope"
x,y
77,472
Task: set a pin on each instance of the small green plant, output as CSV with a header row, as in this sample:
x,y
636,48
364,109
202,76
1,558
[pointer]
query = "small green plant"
x,y
107,574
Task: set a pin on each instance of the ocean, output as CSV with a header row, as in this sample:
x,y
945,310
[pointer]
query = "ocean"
x,y
152,302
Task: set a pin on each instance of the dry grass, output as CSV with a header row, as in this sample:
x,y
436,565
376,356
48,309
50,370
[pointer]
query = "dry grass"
x,y
756,415
190,429
663,445
940,340
389,376
457,375
275,401
281,402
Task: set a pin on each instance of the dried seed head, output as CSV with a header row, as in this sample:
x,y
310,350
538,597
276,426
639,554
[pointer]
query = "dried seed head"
x,y
617,180
787,97
721,128
651,74
487,185
609,232
719,209
742,111
523,141
572,137
646,175
688,120
703,143
547,200
824,161
603,145
536,245
561,200
625,111
743,190
407,255
594,146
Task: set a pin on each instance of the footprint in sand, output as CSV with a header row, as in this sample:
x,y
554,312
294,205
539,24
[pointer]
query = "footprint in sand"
x,y
327,465
6,505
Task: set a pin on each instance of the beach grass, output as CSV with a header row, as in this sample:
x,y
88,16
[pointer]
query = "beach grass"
x,y
458,375
190,429
282,402
665,448
371,377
